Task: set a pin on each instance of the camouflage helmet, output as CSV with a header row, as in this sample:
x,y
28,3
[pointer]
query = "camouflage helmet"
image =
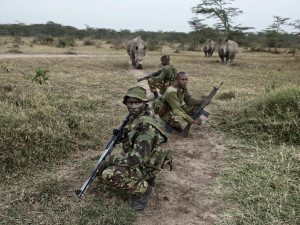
x,y
167,57
136,92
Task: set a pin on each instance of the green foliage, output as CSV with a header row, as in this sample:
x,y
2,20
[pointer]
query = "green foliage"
x,y
5,68
40,76
218,10
274,118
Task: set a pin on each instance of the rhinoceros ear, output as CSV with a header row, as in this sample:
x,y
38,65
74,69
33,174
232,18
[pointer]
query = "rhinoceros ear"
x,y
145,48
136,48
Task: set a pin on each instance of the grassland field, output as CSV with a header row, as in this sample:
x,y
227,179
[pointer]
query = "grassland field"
x,y
52,134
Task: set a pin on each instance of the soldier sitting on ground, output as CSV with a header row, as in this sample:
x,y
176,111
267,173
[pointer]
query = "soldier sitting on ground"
x,y
171,108
165,79
144,152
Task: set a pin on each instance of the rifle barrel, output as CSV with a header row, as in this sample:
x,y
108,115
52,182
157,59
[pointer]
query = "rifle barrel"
x,y
109,147
200,111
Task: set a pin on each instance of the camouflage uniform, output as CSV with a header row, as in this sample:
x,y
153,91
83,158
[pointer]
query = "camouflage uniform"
x,y
171,109
165,79
142,157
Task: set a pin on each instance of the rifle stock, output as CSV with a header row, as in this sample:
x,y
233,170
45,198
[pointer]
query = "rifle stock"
x,y
200,111
185,131
110,146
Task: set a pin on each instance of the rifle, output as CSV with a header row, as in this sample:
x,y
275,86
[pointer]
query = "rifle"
x,y
146,77
109,147
200,111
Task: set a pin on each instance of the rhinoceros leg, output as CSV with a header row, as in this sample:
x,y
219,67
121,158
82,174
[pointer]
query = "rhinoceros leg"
x,y
232,58
133,61
222,59
228,55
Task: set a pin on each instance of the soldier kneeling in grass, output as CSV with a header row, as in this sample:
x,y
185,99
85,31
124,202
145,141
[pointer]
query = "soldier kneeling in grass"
x,y
165,79
144,152
170,106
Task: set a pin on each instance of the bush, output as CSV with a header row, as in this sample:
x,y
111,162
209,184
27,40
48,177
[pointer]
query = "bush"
x,y
43,40
274,118
88,42
117,44
64,42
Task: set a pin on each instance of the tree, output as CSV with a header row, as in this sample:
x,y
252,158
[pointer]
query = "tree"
x,y
276,28
217,9
197,24
201,32
295,36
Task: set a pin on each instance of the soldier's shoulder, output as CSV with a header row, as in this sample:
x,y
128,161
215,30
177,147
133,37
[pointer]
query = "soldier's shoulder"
x,y
171,89
167,67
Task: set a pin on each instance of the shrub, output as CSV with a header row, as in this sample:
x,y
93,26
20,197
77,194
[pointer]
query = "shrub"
x,y
117,44
274,118
88,42
40,76
43,40
64,42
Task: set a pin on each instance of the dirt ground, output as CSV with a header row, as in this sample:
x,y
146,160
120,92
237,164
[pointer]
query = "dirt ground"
x,y
182,196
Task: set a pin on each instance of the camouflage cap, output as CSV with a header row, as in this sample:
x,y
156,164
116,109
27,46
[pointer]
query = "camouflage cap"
x,y
167,57
136,92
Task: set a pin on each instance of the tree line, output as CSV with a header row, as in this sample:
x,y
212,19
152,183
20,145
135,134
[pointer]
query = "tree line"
x,y
269,38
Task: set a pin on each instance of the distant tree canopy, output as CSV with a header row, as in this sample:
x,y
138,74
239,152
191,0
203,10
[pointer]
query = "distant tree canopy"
x,y
193,40
58,30
218,9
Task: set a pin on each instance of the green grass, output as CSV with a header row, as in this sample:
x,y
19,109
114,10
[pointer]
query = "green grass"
x,y
262,186
261,181
272,117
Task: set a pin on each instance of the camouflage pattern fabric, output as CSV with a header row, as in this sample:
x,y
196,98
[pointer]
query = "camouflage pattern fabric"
x,y
142,156
129,179
162,86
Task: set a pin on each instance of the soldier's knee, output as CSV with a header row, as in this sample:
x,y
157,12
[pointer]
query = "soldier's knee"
x,y
108,174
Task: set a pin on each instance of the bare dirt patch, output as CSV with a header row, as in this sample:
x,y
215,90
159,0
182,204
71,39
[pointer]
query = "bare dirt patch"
x,y
182,196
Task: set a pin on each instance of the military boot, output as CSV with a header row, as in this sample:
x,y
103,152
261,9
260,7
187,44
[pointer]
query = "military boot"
x,y
178,129
141,202
168,128
151,181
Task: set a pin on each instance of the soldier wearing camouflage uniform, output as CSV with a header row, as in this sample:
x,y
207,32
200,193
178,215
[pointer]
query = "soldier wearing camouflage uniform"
x,y
172,110
143,154
165,79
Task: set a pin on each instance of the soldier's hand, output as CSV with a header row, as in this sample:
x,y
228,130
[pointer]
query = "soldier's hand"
x,y
197,121
100,169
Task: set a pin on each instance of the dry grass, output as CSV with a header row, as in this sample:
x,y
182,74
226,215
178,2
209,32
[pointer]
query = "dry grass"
x,y
87,89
